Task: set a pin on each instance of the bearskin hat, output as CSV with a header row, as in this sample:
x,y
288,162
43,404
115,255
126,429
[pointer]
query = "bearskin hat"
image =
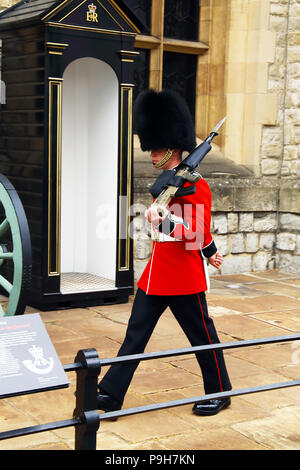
x,y
163,120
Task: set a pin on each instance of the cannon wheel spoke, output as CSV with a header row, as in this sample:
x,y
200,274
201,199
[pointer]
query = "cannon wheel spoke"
x,y
15,222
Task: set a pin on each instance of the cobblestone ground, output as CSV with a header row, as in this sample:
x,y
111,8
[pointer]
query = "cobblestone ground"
x,y
243,306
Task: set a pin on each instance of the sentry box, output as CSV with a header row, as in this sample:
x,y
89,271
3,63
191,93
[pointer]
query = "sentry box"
x,y
66,144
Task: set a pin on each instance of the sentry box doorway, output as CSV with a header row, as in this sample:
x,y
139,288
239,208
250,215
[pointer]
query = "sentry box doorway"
x,y
66,144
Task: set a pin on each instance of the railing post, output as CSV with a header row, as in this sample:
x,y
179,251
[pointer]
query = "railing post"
x,y
86,399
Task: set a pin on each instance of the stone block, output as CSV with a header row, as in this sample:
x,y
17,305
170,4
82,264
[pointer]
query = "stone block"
x,y
139,266
233,222
266,241
265,222
278,24
258,195
292,101
271,142
220,223
297,245
270,166
237,243
260,261
251,242
290,222
290,152
294,69
286,168
297,133
295,9
222,243
290,198
286,241
289,263
236,264
278,9
222,197
246,222
143,247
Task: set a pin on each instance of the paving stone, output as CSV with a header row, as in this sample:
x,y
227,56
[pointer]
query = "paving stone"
x,y
221,311
47,438
67,350
219,439
107,440
263,304
238,411
274,275
287,320
12,417
59,333
278,287
258,304
152,425
54,405
246,328
149,445
238,278
279,431
291,282
74,314
291,371
236,367
96,325
170,378
51,446
163,343
269,356
239,290
268,400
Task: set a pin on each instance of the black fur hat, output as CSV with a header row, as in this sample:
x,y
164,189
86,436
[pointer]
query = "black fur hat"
x,y
163,120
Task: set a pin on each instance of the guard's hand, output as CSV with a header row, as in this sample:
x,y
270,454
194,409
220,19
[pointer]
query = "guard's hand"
x,y
216,260
156,214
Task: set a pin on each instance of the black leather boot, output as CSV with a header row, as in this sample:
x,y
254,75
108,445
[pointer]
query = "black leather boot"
x,y
108,403
211,407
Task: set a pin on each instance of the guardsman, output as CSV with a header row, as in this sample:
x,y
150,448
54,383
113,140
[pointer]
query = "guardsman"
x,y
176,274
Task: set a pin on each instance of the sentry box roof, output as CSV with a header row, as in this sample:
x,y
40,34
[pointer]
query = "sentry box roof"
x,y
109,13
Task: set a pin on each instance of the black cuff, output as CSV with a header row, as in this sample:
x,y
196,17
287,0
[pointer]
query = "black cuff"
x,y
210,250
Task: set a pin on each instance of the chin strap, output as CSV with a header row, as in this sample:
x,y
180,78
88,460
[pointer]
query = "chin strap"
x,y
164,160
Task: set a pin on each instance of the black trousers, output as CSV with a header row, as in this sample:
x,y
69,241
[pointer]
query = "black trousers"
x,y
191,313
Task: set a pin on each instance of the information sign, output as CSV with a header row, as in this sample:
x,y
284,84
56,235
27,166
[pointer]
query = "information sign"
x,y
28,360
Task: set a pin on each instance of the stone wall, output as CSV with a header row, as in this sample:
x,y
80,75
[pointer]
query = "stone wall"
x,y
280,149
249,230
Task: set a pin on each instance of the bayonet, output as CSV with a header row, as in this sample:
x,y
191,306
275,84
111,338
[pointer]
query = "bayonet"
x,y
215,131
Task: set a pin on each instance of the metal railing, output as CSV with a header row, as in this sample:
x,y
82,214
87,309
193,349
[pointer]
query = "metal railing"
x,y
86,418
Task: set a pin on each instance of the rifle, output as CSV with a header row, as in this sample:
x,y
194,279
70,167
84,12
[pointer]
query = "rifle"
x,y
169,183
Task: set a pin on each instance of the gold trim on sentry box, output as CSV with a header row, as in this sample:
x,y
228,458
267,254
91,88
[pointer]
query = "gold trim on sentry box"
x,y
125,89
54,82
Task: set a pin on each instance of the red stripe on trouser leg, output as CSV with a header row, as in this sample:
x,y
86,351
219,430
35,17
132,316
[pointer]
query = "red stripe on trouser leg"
x,y
214,352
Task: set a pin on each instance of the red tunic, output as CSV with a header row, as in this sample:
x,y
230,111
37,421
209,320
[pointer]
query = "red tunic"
x,y
177,267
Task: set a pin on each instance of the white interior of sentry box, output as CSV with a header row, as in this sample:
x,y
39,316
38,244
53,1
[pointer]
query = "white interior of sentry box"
x,y
89,176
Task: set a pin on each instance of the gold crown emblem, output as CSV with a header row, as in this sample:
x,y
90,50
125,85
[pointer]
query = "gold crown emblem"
x,y
92,8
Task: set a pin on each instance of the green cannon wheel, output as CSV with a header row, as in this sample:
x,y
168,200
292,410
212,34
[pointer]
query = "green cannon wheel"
x,y
15,251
